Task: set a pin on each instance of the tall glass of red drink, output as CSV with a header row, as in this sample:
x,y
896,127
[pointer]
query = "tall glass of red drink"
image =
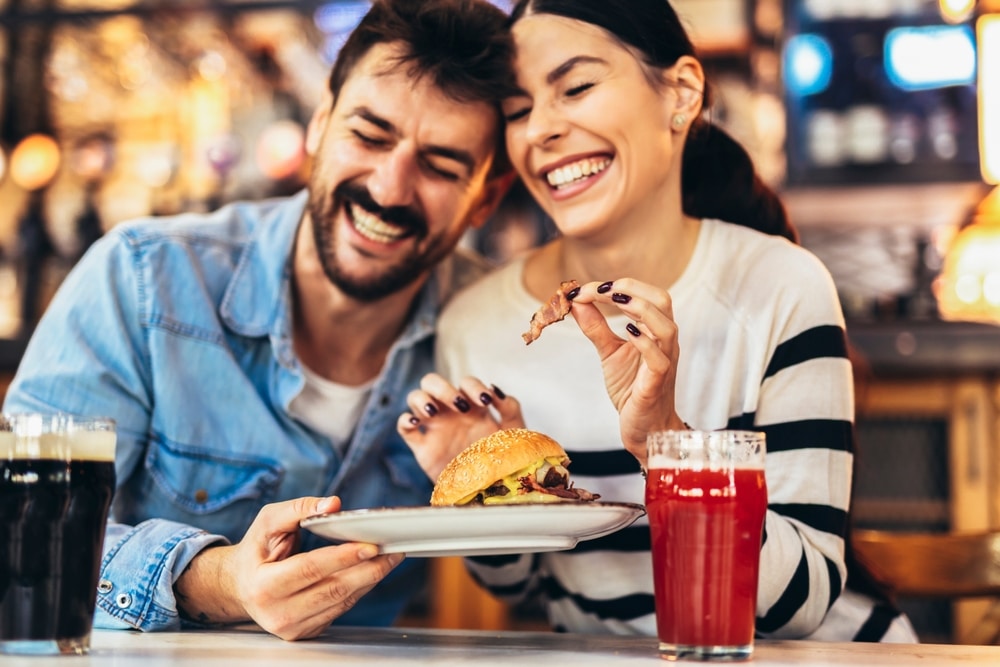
x,y
706,498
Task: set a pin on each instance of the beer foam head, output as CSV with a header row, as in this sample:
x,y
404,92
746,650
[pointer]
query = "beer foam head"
x,y
93,445
56,436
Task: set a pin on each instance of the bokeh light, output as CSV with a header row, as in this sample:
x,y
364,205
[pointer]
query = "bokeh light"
x,y
281,149
35,161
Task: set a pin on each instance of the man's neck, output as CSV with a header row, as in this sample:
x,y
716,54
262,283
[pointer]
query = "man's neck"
x,y
336,336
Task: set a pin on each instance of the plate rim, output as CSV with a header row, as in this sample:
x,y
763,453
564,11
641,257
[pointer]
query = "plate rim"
x,y
615,516
370,511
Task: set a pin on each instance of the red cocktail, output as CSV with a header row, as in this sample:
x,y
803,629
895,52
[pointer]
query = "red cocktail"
x,y
706,498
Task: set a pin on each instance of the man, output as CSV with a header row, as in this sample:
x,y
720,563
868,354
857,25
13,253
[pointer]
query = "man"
x,y
256,358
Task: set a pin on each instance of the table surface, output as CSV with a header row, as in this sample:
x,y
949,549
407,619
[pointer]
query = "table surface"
x,y
388,647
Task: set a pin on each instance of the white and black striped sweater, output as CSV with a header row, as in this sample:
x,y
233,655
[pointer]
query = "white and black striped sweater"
x,y
763,347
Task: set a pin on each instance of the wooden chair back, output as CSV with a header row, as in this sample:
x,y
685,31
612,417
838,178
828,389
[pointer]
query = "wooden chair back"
x,y
938,565
954,566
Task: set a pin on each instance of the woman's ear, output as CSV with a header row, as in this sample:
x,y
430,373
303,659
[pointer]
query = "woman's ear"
x,y
317,124
689,79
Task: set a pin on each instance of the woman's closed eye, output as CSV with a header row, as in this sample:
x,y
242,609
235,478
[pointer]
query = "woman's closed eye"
x,y
517,114
516,108
579,89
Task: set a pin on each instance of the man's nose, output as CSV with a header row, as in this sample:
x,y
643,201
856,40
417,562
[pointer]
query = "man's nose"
x,y
392,181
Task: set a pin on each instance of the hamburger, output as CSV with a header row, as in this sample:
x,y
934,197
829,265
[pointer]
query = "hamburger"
x,y
510,466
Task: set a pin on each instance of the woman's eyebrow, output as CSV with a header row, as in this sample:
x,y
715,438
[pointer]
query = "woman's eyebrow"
x,y
566,67
561,71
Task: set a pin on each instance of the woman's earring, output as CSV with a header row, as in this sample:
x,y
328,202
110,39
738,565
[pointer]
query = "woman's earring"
x,y
679,121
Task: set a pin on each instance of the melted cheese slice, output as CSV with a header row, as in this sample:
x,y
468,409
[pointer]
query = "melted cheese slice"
x,y
513,484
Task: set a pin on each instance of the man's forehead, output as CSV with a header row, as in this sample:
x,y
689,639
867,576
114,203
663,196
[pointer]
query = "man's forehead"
x,y
382,59
385,86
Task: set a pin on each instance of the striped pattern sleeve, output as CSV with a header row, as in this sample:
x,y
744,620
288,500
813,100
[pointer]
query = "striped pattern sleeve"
x,y
805,408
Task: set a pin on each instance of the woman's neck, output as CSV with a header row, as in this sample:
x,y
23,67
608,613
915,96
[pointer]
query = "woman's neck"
x,y
658,255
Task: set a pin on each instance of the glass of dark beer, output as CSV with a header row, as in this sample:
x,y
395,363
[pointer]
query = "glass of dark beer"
x,y
57,477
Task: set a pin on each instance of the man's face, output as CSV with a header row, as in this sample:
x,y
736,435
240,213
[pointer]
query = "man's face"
x,y
399,172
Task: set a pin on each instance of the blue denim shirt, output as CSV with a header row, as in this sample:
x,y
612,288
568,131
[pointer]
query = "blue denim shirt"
x,y
181,329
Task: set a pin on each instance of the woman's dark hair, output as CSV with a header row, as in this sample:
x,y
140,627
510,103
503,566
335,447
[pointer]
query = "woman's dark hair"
x,y
718,178
462,46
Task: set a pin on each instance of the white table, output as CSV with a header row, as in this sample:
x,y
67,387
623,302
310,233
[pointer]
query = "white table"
x,y
249,647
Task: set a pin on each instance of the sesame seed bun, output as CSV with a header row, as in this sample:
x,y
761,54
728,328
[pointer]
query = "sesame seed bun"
x,y
490,459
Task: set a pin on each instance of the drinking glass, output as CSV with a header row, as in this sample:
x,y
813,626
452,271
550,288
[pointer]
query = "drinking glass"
x,y
705,498
57,476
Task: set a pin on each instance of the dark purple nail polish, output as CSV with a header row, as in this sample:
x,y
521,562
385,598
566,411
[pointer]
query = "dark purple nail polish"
x,y
430,409
573,293
414,421
462,404
632,329
499,393
485,398
618,297
605,287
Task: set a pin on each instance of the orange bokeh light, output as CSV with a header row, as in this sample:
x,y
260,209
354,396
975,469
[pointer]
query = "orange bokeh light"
x,y
35,161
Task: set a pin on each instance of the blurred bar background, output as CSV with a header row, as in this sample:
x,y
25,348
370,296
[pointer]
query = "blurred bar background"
x,y
878,120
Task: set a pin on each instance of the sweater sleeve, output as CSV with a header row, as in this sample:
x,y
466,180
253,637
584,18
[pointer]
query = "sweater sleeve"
x,y
805,407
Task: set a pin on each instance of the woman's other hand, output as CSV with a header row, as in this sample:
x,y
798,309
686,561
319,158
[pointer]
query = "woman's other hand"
x,y
444,419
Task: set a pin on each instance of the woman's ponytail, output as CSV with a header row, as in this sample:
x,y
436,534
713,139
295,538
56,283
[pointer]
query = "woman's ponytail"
x,y
718,180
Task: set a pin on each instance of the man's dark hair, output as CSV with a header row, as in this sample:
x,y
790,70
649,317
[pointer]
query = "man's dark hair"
x,y
462,46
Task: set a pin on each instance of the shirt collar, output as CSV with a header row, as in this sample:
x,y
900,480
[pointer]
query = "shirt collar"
x,y
258,297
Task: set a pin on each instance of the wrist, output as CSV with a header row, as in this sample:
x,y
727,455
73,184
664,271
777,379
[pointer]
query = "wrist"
x,y
205,591
675,423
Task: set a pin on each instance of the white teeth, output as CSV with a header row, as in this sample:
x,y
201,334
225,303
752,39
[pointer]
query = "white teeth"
x,y
374,228
571,173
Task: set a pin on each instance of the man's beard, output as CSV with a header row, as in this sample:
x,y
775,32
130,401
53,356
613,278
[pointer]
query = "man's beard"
x,y
393,278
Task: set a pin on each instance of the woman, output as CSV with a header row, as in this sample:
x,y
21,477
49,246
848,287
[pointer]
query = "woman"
x,y
701,308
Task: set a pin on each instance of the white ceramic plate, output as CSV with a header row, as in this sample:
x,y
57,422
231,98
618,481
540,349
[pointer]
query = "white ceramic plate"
x,y
476,530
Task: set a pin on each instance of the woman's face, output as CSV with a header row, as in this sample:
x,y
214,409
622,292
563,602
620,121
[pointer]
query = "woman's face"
x,y
590,136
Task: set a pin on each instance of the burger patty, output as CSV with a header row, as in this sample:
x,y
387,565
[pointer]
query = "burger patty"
x,y
555,482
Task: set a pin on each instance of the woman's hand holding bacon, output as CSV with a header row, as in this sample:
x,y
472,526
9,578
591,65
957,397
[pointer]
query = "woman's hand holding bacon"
x,y
639,363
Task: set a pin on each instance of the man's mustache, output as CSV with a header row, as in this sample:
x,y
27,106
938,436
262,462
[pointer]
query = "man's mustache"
x,y
401,216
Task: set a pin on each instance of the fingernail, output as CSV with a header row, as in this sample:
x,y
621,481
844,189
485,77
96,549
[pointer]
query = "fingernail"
x,y
462,404
632,329
324,504
485,398
430,409
396,559
618,297
499,393
414,421
573,293
604,287
368,552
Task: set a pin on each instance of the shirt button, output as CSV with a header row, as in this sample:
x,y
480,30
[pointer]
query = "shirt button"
x,y
123,600
105,586
200,496
384,401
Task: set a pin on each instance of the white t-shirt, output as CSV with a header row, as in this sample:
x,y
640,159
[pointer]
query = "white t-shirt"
x,y
330,408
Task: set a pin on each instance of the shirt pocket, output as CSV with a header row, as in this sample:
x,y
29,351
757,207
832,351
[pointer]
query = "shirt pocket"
x,y
201,482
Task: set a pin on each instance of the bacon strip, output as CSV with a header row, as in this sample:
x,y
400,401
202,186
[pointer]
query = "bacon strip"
x,y
551,312
560,488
